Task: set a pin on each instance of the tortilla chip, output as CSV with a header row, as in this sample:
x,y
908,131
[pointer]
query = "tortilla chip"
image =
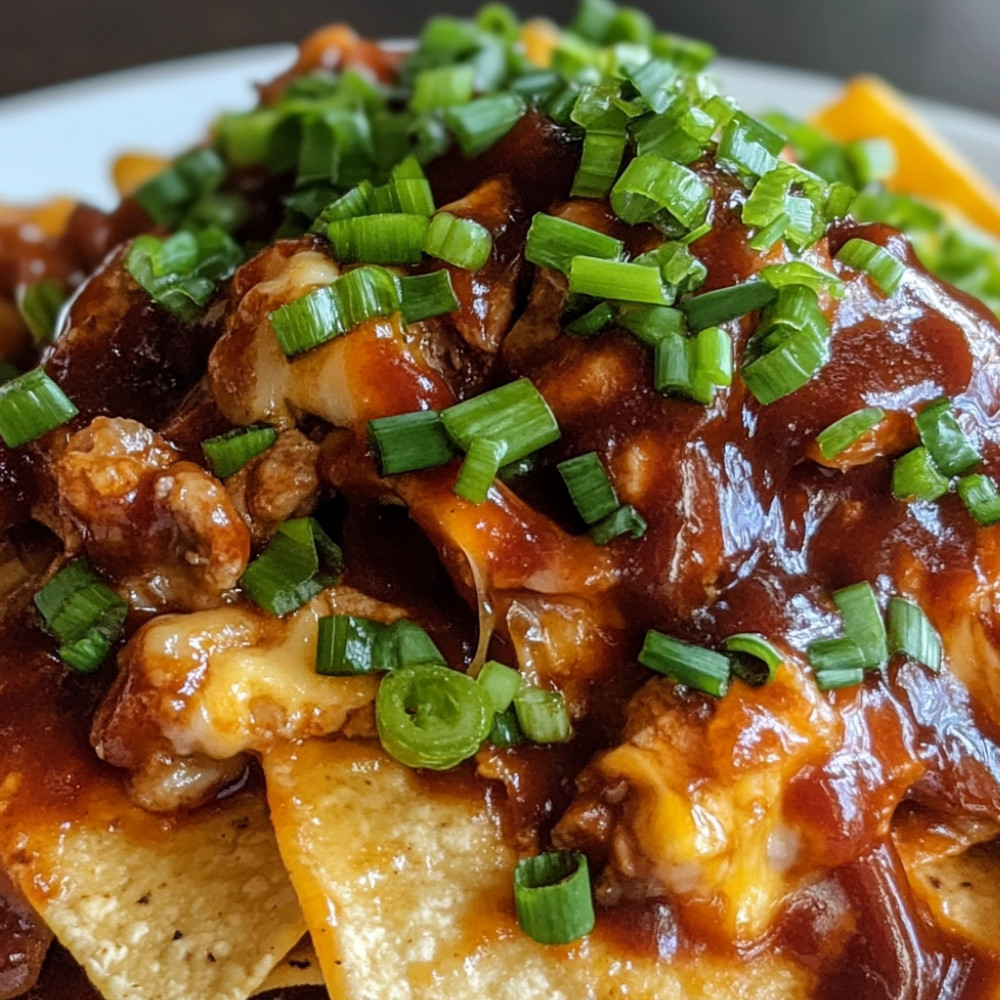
x,y
962,893
158,910
300,967
407,891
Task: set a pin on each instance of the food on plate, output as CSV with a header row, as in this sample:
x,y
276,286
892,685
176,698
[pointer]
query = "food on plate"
x,y
499,520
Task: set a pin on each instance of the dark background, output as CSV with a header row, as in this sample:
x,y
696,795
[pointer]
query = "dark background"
x,y
949,49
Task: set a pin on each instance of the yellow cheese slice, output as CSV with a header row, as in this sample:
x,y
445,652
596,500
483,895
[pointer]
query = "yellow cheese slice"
x,y
926,165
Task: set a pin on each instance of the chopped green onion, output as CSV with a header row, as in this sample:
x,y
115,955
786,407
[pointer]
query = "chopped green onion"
x,y
712,357
515,416
699,668
356,202
589,486
626,520
345,645
441,87
180,273
554,242
308,321
245,139
505,731
651,324
480,466
287,573
789,346
880,265
752,658
229,452
484,121
430,716
843,433
409,442
672,364
552,896
425,295
723,304
405,644
32,405
501,683
592,19
800,272
748,146
83,613
39,305
614,279
591,322
834,678
863,622
872,160
542,715
378,239
981,498
462,242
911,632
915,475
599,163
651,184
170,192
678,266
786,367
949,445
831,656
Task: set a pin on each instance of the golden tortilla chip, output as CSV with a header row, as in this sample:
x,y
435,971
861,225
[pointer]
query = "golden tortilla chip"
x,y
300,967
407,889
155,909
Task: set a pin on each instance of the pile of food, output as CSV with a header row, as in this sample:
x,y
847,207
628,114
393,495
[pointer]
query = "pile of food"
x,y
498,520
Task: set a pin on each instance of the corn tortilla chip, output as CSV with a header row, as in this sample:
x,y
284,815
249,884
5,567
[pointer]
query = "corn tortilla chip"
x,y
155,910
407,892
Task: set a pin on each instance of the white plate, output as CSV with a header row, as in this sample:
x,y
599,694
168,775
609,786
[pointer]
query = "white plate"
x,y
62,140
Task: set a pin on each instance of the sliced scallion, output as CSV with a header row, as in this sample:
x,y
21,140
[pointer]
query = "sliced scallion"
x,y
554,242
542,715
423,296
614,279
981,498
752,658
720,306
462,242
287,573
501,684
83,613
650,185
626,520
863,622
409,442
430,716
378,239
32,405
39,305
911,632
880,265
552,896
589,487
950,447
229,452
515,416
699,668
482,122
843,433
915,476
480,466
